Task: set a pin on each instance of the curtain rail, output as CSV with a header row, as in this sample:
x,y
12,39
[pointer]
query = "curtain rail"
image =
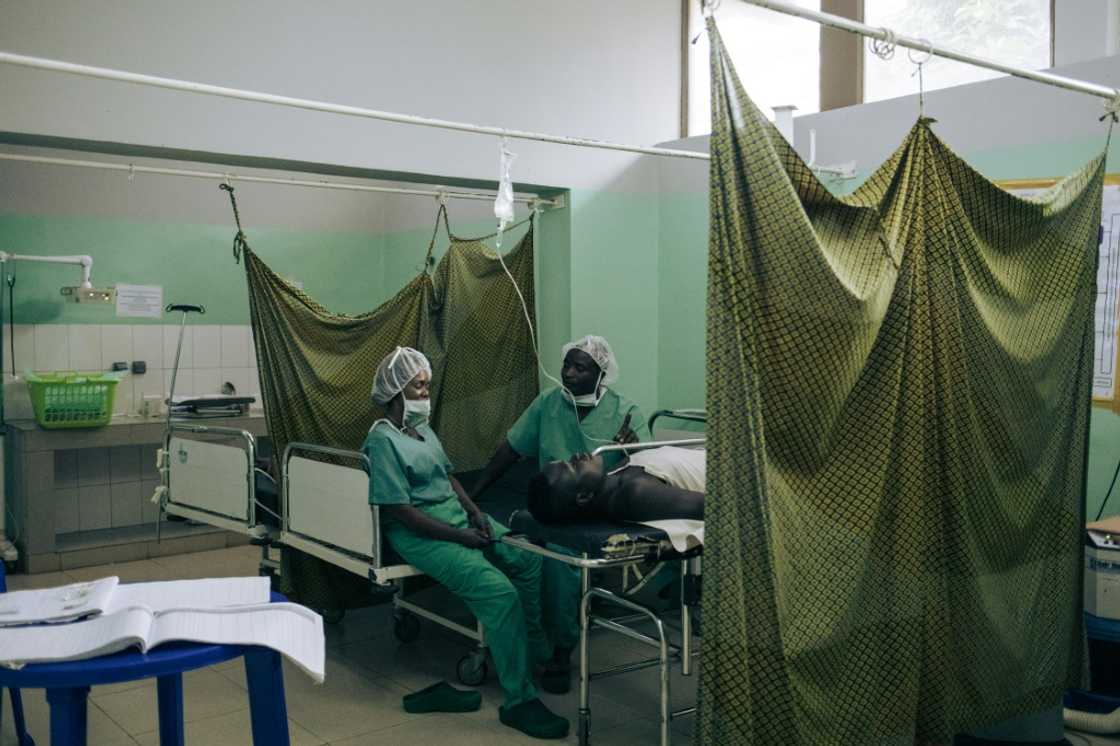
x,y
225,175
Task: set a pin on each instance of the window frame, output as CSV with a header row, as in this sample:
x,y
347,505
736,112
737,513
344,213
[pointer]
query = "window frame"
x,y
856,83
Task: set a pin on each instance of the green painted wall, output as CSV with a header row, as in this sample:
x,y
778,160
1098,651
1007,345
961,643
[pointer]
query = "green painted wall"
x,y
193,263
615,282
683,285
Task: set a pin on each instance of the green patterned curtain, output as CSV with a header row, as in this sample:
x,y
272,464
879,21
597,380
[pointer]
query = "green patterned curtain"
x,y
317,367
898,397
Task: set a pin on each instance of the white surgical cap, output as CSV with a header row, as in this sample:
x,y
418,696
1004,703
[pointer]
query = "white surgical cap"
x,y
395,371
600,352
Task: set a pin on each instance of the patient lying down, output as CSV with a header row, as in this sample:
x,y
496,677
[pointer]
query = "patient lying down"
x,y
652,485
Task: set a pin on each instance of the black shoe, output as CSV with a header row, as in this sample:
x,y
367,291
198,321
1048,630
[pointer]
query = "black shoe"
x,y
534,719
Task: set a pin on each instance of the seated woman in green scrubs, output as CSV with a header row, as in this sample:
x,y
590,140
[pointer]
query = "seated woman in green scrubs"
x,y
431,523
560,423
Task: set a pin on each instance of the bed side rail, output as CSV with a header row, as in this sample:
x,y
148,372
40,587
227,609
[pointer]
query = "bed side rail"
x,y
687,415
361,463
250,447
630,447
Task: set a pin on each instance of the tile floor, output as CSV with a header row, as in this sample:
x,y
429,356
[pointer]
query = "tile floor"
x,y
367,673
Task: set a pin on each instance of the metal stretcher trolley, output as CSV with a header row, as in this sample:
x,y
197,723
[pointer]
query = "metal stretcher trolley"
x,y
616,545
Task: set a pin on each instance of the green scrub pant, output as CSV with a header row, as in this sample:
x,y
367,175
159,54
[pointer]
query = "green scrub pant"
x,y
561,598
501,586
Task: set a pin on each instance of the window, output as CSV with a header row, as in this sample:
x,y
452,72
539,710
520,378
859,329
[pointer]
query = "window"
x,y
777,58
1015,32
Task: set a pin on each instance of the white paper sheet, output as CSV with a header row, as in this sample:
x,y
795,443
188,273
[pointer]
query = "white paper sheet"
x,y
55,605
191,594
140,301
103,634
684,533
292,630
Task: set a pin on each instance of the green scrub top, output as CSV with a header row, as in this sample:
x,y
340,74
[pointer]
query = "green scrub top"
x,y
404,470
550,430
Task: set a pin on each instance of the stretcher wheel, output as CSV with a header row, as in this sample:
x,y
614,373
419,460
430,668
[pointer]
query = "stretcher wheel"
x,y
406,627
472,669
333,616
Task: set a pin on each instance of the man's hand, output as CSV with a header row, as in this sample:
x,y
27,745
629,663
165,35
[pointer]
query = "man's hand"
x,y
473,538
479,522
625,435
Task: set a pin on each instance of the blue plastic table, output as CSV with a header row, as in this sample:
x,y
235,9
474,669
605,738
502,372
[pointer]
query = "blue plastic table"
x,y
68,684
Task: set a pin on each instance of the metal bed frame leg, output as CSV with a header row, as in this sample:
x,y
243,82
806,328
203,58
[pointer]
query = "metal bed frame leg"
x,y
666,716
662,643
584,658
686,622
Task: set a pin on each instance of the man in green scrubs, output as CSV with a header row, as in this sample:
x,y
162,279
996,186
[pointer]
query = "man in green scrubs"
x,y
430,521
561,422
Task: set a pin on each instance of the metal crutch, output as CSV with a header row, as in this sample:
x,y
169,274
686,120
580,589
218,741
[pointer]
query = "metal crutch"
x,y
185,308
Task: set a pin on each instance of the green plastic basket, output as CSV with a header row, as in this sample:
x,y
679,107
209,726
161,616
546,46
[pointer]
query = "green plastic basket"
x,y
69,399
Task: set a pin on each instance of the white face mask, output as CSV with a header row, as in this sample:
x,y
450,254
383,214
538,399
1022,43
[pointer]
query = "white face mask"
x,y
587,400
417,411
584,400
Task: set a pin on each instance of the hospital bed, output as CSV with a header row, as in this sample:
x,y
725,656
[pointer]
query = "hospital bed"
x,y
605,545
209,475
325,512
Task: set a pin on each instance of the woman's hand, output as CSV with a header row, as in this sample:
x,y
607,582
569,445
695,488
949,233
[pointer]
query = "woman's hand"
x,y
473,538
625,435
479,522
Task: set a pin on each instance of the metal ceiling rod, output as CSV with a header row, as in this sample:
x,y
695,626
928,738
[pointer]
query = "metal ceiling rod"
x,y
922,45
105,73
228,176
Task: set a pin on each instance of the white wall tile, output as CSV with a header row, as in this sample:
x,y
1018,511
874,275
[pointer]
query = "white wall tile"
x,y
148,384
235,346
52,347
126,510
252,349
239,377
184,383
66,510
254,383
207,381
207,340
123,399
85,346
93,466
171,343
17,399
94,507
124,464
25,349
66,469
116,344
147,345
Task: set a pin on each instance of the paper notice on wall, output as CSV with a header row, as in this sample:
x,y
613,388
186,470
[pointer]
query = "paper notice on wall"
x,y
140,301
1108,292
1108,296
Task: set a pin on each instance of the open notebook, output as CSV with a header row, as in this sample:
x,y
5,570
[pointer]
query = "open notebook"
x,y
68,603
232,611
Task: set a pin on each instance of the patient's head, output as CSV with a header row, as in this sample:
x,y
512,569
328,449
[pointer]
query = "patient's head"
x,y
564,491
